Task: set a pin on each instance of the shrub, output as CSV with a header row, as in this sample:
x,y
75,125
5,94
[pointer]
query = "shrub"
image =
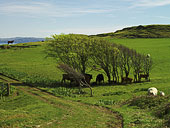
x,y
33,79
114,93
5,46
163,110
62,91
105,102
140,89
145,102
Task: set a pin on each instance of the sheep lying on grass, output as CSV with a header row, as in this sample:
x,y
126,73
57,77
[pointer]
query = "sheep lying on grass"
x,y
162,93
153,91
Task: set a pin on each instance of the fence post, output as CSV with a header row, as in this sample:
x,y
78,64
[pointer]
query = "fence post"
x,y
8,89
1,84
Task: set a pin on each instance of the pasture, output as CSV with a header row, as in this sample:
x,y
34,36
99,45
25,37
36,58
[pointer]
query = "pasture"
x,y
31,66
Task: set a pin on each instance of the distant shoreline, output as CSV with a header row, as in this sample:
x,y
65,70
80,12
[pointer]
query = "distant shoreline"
x,y
10,44
20,40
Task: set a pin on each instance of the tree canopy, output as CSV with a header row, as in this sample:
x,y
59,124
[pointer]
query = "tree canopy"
x,y
81,52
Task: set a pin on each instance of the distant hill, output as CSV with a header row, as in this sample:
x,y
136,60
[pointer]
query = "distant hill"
x,y
20,40
146,31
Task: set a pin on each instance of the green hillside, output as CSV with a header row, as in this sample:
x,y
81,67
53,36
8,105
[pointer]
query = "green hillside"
x,y
147,31
34,107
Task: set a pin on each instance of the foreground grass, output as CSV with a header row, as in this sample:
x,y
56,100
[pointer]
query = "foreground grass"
x,y
26,111
31,62
32,108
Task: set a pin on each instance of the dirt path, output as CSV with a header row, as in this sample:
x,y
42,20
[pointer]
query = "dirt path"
x,y
67,105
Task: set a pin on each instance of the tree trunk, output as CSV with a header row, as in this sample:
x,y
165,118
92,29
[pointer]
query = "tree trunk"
x,y
127,74
86,84
83,69
138,76
108,76
117,74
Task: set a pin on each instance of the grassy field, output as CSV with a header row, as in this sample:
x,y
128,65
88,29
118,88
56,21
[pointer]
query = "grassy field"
x,y
34,108
30,65
29,107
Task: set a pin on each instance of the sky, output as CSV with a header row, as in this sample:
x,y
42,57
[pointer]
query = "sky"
x,y
43,18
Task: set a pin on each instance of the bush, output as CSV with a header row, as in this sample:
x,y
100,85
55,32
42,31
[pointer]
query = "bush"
x,y
34,79
163,110
62,91
5,46
148,102
140,89
114,93
105,102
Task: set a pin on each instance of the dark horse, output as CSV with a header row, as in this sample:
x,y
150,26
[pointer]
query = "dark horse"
x,y
10,42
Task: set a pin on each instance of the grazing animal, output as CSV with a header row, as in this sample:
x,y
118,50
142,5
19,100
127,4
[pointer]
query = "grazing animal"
x,y
126,80
152,91
99,78
67,77
162,93
88,78
146,76
11,42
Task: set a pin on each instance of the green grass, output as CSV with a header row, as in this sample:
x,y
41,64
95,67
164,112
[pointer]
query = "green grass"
x,y
29,62
32,108
26,111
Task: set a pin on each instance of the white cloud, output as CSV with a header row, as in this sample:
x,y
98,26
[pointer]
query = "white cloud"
x,y
163,17
149,3
20,8
47,9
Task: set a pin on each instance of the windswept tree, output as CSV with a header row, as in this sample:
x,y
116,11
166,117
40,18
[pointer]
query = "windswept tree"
x,y
103,53
147,64
141,64
81,52
137,64
71,49
78,77
125,61
115,55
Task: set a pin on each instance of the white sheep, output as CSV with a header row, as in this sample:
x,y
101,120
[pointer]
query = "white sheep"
x,y
162,93
152,91
148,55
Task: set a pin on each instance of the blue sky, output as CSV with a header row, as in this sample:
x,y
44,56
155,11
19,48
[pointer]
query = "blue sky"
x,y
42,18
